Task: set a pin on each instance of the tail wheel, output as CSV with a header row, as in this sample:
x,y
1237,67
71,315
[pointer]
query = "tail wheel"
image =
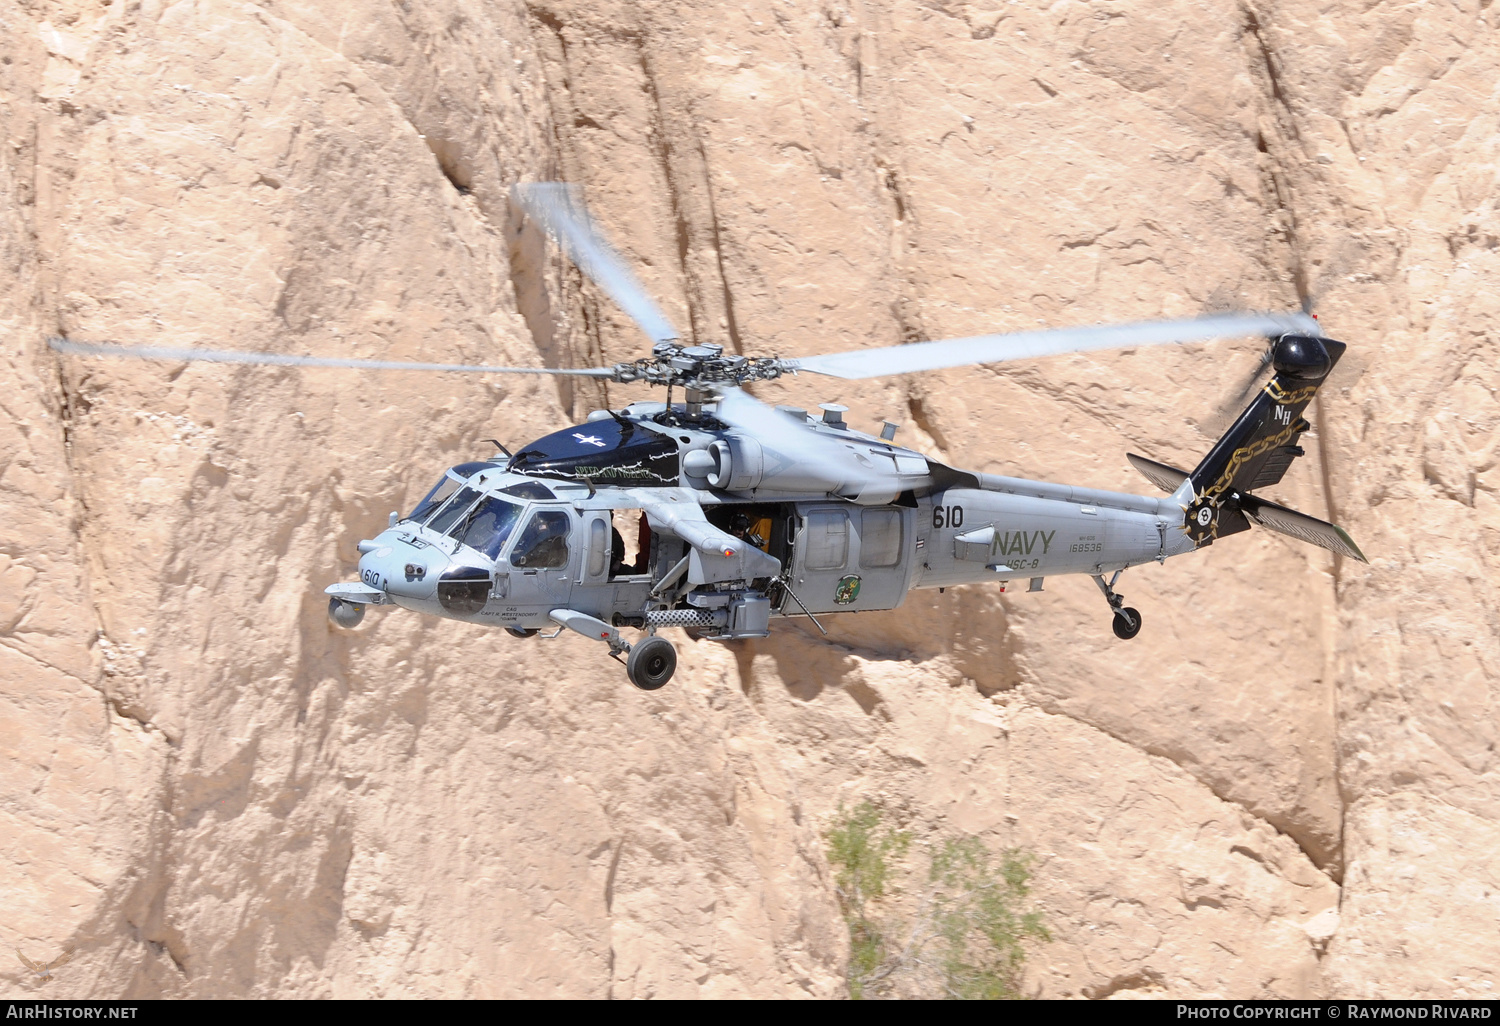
x,y
651,664
1127,623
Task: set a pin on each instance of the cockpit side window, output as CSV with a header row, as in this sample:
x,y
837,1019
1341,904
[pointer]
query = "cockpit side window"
x,y
445,487
456,507
488,526
544,543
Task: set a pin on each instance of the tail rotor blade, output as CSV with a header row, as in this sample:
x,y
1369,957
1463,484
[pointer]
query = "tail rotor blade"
x,y
559,209
958,352
1223,413
1249,383
177,354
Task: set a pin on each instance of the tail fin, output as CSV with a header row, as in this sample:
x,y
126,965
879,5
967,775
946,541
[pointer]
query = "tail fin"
x,y
1255,453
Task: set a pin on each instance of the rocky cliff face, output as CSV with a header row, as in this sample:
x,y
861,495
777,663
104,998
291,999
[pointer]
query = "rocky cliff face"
x,y
1287,786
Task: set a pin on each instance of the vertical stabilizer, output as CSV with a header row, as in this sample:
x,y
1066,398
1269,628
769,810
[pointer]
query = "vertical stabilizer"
x,y
1257,450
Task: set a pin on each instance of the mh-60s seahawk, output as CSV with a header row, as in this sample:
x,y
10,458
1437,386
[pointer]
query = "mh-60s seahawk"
x,y
743,513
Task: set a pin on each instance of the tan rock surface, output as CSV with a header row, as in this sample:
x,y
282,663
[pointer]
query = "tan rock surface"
x,y
1285,787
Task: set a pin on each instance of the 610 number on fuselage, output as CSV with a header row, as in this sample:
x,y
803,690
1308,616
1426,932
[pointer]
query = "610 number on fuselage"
x,y
947,516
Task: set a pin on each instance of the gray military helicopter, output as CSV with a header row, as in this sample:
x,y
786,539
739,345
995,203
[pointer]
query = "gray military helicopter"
x,y
743,513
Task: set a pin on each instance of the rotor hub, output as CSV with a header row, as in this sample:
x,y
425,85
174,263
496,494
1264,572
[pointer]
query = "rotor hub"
x,y
703,368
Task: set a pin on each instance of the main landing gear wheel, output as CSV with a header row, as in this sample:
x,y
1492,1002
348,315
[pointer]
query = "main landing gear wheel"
x,y
521,632
1127,623
651,664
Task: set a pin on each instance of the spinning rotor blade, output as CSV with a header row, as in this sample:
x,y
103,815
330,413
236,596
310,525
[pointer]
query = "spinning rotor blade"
x,y
958,352
559,209
793,443
63,345
1242,394
739,409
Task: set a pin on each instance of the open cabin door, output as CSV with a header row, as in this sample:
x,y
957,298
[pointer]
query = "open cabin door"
x,y
851,557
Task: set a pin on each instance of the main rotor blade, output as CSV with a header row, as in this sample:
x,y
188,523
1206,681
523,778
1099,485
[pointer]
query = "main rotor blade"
x,y
958,352
740,409
559,209
172,353
790,442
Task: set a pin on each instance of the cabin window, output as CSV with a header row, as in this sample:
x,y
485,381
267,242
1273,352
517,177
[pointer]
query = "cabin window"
x,y
879,537
827,540
544,543
598,546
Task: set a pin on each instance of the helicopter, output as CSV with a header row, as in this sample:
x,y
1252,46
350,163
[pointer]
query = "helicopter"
x,y
743,513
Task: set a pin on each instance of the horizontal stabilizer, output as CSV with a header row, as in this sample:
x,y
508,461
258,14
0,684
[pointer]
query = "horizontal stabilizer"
x,y
1300,526
1164,477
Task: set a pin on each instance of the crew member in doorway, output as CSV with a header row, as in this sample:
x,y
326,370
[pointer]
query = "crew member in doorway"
x,y
743,528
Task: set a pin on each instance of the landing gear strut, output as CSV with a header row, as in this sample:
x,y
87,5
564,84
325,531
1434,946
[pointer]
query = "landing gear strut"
x,y
1127,620
652,660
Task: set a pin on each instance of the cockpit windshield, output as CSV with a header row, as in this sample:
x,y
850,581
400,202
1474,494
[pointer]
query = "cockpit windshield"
x,y
457,507
488,526
449,483
445,487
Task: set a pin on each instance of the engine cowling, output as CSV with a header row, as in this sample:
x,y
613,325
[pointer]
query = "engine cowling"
x,y
739,463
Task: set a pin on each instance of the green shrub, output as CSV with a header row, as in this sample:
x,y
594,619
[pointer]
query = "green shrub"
x,y
862,849
977,911
967,936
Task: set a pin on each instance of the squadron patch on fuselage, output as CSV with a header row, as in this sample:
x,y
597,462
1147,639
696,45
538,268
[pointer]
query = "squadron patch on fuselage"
x,y
847,590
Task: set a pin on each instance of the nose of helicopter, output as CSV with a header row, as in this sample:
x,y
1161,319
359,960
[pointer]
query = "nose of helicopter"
x,y
397,567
